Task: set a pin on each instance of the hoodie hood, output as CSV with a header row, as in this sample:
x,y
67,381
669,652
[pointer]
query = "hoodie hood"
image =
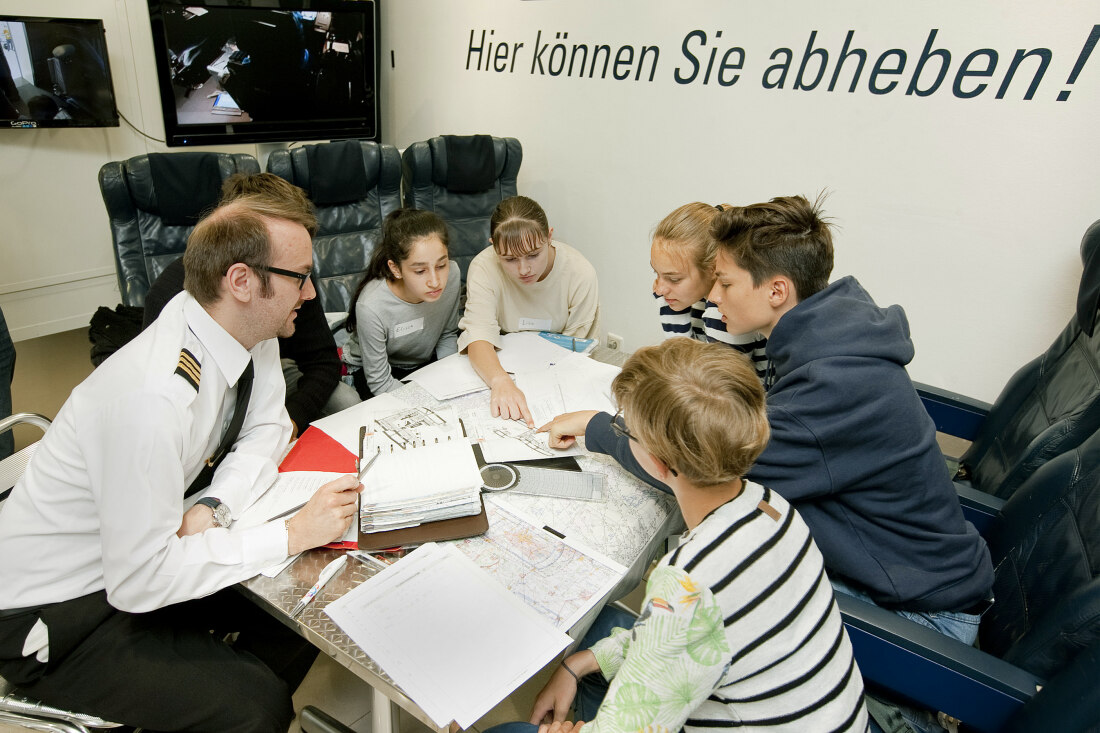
x,y
820,327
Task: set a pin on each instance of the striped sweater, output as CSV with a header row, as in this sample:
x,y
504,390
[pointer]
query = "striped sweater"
x,y
739,630
703,322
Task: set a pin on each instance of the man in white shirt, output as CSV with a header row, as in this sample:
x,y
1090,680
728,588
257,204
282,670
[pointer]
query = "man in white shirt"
x,y
117,540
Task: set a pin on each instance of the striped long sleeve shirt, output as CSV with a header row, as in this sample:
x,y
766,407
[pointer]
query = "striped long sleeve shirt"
x,y
739,630
703,322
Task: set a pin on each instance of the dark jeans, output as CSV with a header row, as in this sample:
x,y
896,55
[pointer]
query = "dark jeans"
x,y
592,688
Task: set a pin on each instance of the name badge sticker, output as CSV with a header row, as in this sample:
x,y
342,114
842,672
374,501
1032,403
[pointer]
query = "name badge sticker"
x,y
404,329
534,324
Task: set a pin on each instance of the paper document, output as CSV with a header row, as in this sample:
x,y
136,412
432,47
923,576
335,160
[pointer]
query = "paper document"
x,y
451,376
455,641
528,352
510,440
424,470
288,491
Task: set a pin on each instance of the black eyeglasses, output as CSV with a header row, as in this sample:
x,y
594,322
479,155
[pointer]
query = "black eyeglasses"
x,y
618,426
301,277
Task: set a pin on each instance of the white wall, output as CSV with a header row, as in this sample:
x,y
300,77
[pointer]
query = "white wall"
x,y
966,211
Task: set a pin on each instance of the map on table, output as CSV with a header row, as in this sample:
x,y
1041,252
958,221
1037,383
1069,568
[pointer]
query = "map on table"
x,y
620,527
559,580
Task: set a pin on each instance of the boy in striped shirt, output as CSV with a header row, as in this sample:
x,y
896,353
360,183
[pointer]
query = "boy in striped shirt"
x,y
739,627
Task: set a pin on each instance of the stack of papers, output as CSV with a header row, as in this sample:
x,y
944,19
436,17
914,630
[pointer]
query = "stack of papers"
x,y
425,470
456,641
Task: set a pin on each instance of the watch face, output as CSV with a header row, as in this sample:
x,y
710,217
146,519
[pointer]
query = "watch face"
x,y
222,517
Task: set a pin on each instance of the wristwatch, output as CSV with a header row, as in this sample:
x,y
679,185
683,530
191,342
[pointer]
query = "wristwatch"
x,y
222,517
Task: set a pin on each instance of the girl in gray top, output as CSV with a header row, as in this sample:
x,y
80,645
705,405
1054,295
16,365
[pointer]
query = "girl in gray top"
x,y
405,311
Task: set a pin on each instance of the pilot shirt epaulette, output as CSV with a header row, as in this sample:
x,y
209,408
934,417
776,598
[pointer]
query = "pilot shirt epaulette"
x,y
189,368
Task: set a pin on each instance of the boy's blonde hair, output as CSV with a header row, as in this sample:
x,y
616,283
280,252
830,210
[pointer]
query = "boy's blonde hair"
x,y
698,408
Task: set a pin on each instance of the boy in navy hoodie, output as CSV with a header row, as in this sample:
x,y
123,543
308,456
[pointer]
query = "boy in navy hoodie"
x,y
851,448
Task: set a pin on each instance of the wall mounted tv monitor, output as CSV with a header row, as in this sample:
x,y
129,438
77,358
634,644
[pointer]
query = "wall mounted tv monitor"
x,y
54,73
241,71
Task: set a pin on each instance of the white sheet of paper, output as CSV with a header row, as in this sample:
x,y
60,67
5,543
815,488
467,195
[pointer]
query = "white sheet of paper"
x,y
529,352
451,376
586,385
509,440
456,641
406,475
288,490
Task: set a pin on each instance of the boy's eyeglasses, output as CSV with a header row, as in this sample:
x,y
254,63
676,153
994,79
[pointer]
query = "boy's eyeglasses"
x,y
618,426
301,277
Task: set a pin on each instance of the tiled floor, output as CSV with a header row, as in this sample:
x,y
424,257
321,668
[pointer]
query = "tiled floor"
x,y
46,370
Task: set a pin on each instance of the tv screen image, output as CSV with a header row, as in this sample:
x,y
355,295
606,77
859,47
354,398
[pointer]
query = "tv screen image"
x,y
245,73
54,73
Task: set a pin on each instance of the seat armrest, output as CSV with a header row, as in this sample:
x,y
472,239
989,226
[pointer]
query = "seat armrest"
x,y
979,508
933,670
953,413
314,720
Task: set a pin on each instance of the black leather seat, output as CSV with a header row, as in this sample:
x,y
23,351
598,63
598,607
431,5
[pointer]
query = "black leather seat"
x,y
1048,407
454,176
1045,545
154,201
353,184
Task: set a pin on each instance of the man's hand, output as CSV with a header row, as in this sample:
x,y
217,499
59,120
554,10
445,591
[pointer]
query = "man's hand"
x,y
553,702
198,518
326,516
565,429
507,401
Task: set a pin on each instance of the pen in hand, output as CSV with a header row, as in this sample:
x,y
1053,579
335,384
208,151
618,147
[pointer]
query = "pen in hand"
x,y
295,508
362,437
327,574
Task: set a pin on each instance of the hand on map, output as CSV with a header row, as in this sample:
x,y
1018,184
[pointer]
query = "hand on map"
x,y
508,401
565,429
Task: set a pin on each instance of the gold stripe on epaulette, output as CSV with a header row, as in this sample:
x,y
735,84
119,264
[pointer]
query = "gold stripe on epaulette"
x,y
189,368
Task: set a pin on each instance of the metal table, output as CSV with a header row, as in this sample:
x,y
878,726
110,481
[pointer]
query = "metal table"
x,y
278,595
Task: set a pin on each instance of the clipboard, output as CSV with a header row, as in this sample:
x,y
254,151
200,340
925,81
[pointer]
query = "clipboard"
x,y
444,529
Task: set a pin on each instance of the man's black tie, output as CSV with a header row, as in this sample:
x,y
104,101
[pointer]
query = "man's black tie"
x,y
244,391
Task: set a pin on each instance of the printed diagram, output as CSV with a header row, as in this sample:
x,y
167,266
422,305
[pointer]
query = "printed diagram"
x,y
557,580
505,430
412,427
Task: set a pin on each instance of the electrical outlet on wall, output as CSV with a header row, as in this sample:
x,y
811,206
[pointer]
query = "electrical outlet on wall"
x,y
615,342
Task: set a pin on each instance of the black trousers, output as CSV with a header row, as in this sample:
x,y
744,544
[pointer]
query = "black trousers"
x,y
166,671
359,377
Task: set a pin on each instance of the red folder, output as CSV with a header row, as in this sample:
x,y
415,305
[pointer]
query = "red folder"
x,y
316,451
